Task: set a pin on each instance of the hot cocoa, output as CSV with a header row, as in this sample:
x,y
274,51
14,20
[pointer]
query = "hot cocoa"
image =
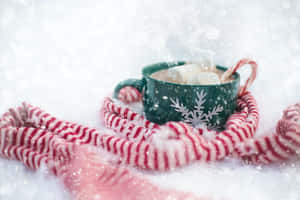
x,y
194,74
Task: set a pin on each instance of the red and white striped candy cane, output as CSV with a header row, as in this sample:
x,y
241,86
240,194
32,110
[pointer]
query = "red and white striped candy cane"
x,y
234,68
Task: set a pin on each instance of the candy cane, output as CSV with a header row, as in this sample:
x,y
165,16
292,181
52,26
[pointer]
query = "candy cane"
x,y
234,68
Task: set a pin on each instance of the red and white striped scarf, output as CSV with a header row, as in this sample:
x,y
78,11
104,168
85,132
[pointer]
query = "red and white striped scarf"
x,y
35,137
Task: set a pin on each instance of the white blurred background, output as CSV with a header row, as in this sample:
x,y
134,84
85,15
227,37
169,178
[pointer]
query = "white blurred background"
x,y
66,55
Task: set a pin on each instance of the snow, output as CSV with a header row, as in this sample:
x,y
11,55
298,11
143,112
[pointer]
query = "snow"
x,y
17,182
65,56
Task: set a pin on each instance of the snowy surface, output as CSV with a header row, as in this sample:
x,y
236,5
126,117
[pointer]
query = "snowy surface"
x,y
65,56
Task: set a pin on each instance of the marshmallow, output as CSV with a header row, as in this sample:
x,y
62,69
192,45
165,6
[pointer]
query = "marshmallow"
x,y
204,78
193,74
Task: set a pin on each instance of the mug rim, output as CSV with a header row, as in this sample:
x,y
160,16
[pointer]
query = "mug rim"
x,y
236,75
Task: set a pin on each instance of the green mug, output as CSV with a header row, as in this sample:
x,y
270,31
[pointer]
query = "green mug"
x,y
194,104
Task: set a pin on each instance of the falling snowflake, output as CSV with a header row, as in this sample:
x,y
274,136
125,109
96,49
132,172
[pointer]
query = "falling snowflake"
x,y
196,116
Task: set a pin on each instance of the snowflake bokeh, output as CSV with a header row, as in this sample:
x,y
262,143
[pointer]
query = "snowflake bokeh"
x,y
65,55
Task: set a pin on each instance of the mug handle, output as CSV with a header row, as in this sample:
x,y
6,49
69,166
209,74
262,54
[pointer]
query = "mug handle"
x,y
251,78
136,83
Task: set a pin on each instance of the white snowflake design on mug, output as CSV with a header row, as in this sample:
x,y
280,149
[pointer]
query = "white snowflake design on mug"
x,y
197,116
